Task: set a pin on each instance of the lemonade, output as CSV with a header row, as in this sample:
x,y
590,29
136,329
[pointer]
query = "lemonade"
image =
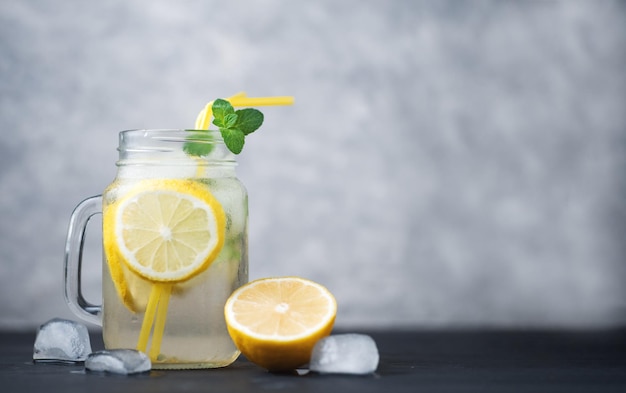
x,y
175,239
195,334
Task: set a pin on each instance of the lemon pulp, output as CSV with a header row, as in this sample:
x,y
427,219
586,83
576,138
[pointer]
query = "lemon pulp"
x,y
275,322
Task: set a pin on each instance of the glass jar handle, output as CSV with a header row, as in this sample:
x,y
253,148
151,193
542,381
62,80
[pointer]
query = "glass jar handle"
x,y
74,259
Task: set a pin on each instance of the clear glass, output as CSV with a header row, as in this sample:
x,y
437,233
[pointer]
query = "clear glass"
x,y
195,334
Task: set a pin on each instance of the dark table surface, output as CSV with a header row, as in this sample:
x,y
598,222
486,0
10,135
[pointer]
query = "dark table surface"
x,y
410,361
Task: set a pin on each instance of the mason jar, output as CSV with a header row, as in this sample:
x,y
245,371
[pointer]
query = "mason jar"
x,y
186,328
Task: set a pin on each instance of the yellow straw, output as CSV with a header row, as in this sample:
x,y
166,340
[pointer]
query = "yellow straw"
x,y
240,99
202,121
159,323
157,307
261,101
144,335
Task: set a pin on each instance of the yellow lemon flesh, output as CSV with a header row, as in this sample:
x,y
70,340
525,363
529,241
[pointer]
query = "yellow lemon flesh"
x,y
275,322
161,231
132,290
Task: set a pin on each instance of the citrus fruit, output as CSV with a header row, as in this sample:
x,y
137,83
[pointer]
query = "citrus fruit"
x,y
132,290
164,231
275,322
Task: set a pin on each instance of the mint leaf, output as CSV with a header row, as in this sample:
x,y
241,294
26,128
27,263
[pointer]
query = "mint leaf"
x,y
233,138
230,120
233,125
221,108
196,145
249,120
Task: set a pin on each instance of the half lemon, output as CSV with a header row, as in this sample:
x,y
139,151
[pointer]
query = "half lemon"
x,y
275,322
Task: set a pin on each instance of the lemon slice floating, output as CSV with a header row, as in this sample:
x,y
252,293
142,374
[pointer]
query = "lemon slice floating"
x,y
131,289
164,231
275,322
168,230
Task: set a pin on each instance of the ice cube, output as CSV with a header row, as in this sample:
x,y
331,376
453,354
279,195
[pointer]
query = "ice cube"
x,y
118,361
345,354
61,340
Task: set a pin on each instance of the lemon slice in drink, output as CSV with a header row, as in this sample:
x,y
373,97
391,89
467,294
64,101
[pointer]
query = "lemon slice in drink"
x,y
132,290
275,322
167,230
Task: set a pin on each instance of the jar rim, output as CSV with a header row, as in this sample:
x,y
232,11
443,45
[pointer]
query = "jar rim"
x,y
168,144
158,133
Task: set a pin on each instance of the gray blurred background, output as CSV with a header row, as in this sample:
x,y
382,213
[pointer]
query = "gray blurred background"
x,y
447,163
